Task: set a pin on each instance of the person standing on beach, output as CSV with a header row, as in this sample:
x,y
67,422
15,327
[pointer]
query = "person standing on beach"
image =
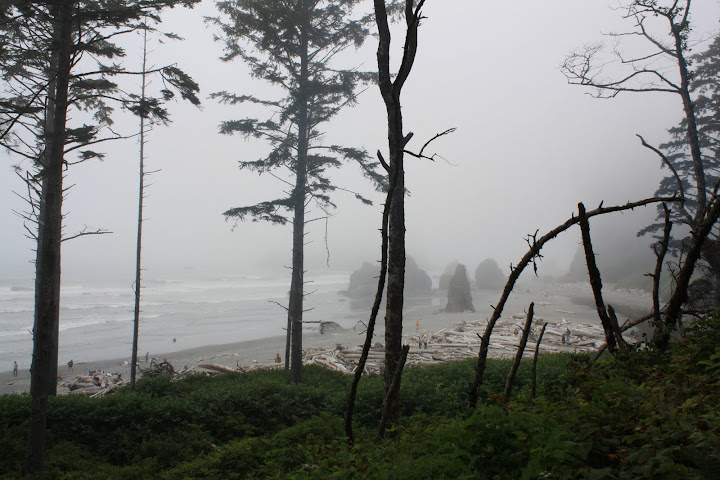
x,y
15,369
147,357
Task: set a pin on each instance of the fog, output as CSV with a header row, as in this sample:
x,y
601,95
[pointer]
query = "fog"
x,y
527,149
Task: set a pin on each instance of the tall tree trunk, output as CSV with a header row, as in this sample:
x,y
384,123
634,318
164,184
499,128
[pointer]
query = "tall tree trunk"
x,y
295,304
396,267
138,247
47,267
673,308
691,121
373,314
391,90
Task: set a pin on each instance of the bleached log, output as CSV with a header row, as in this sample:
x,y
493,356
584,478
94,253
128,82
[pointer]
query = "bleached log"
x,y
217,368
86,391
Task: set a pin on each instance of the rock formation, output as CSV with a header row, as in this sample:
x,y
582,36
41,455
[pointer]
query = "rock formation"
x,y
459,298
488,276
447,274
363,281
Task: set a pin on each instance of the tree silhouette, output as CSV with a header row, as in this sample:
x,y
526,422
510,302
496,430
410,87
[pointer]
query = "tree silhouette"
x,y
293,46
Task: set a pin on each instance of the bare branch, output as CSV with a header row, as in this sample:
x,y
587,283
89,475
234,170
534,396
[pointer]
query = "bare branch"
x,y
85,232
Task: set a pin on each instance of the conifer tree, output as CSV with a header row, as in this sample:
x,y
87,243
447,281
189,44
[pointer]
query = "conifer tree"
x,y
293,46
56,57
681,174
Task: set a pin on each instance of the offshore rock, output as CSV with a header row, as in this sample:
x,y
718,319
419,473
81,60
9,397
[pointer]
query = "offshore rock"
x,y
459,298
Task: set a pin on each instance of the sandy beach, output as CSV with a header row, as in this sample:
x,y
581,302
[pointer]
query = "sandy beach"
x,y
572,302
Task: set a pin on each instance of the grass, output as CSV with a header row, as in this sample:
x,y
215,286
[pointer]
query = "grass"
x,y
645,415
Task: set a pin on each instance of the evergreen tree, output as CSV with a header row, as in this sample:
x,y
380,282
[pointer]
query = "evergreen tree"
x,y
292,46
681,177
57,57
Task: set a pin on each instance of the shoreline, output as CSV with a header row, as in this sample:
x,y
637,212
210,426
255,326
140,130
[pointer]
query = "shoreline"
x,y
567,302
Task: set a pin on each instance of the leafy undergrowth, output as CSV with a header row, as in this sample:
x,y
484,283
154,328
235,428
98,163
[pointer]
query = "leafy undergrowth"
x,y
646,415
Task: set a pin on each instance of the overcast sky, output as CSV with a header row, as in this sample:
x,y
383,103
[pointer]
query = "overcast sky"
x,y
527,149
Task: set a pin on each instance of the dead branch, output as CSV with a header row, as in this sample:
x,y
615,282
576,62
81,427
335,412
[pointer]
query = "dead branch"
x,y
520,351
85,232
660,254
279,305
432,157
515,274
534,364
370,327
595,280
622,344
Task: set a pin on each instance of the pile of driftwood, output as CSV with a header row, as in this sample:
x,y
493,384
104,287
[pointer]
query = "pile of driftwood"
x,y
97,384
156,369
462,340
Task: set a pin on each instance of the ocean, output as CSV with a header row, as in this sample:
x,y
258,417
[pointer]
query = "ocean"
x,y
96,319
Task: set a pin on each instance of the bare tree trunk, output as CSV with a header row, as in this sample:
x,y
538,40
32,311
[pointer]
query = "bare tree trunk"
x,y
595,280
678,34
534,364
295,304
47,154
138,247
617,332
520,351
47,267
392,392
373,314
660,258
390,90
395,292
673,309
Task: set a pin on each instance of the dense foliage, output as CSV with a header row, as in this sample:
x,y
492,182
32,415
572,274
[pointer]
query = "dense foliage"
x,y
647,415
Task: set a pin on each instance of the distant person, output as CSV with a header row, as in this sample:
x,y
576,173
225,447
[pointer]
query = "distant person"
x,y
417,325
278,359
147,357
70,364
15,369
425,340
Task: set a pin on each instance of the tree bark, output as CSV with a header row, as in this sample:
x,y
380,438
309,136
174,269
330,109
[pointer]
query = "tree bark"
x,y
595,279
295,304
390,90
47,267
660,258
691,124
392,391
534,364
520,351
673,308
138,245
373,313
